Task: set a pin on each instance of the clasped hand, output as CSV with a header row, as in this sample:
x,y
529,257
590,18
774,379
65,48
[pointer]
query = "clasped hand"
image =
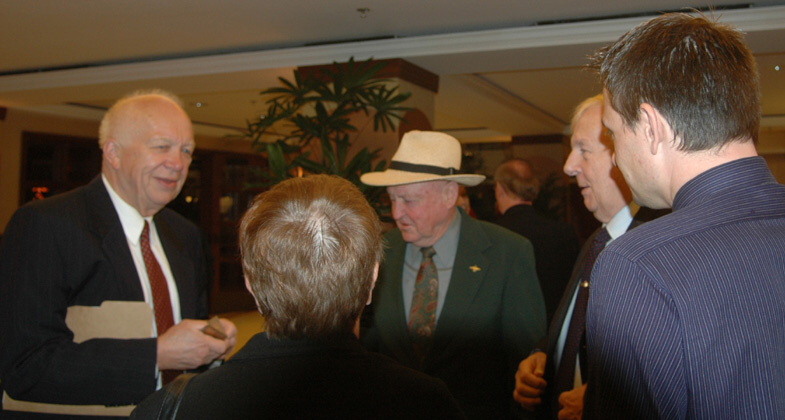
x,y
184,346
529,384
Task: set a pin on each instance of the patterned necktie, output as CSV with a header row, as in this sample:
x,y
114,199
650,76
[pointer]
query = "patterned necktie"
x,y
565,377
162,304
422,317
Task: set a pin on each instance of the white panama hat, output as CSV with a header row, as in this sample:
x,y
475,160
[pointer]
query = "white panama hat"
x,y
423,156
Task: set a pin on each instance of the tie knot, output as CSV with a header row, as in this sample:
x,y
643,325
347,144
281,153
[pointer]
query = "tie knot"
x,y
145,232
428,252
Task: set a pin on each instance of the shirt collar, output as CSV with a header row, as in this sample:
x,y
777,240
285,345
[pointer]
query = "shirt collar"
x,y
447,246
130,219
736,175
620,222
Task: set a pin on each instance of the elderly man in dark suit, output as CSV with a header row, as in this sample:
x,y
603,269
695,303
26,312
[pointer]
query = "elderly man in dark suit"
x,y
555,243
551,382
111,240
457,298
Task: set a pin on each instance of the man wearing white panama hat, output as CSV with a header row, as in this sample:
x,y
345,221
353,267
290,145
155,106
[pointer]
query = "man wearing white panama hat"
x,y
456,298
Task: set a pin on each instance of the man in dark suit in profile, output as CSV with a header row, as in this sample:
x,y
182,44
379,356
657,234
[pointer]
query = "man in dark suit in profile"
x,y
555,243
551,382
111,240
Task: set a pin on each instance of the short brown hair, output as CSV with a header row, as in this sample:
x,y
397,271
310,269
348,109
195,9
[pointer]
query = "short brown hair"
x,y
516,177
309,247
698,73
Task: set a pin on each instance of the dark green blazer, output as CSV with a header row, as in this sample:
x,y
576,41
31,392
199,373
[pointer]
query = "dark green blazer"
x,y
492,317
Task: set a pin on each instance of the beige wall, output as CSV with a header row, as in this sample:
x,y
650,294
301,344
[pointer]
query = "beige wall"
x,y
771,141
771,145
18,121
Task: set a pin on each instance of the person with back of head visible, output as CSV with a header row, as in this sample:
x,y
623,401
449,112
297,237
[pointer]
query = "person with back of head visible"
x,y
685,319
551,382
555,242
111,240
311,249
457,298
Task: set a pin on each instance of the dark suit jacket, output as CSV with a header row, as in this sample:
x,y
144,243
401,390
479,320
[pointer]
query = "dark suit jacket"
x,y
492,317
71,250
305,379
560,317
555,250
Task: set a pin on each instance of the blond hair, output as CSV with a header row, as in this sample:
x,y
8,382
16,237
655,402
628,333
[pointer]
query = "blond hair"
x,y
309,247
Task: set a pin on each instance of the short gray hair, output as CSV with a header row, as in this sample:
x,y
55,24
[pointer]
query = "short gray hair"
x,y
309,247
107,122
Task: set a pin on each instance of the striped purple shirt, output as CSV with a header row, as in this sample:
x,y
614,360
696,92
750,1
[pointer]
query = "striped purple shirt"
x,y
686,318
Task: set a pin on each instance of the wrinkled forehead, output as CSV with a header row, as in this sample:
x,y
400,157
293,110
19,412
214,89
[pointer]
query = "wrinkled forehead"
x,y
152,117
416,190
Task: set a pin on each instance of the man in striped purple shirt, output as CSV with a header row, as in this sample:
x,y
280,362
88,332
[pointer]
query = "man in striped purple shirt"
x,y
686,318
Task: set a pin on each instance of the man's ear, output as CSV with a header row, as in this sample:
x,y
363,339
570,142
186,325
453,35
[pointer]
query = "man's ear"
x,y
373,282
248,285
450,192
499,189
250,290
112,152
655,129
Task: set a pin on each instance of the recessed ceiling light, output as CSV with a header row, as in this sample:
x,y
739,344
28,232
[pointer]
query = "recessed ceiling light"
x,y
777,68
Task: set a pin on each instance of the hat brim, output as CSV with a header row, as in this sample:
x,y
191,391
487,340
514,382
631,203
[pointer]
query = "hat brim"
x,y
393,177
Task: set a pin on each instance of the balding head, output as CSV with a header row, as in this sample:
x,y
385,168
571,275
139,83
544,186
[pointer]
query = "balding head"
x,y
515,184
147,143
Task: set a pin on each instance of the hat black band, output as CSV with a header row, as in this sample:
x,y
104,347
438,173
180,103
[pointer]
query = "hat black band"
x,y
429,169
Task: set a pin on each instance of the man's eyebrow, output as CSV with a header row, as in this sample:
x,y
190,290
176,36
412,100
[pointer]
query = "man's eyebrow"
x,y
188,143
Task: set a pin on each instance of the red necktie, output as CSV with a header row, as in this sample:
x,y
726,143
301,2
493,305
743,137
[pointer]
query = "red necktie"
x,y
565,377
162,304
422,316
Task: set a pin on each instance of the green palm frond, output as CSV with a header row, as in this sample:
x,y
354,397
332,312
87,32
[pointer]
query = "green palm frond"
x,y
320,108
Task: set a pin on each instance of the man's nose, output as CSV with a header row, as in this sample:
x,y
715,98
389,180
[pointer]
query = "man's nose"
x,y
397,211
570,168
177,160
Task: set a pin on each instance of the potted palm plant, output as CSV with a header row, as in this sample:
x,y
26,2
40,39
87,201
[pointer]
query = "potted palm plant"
x,y
307,127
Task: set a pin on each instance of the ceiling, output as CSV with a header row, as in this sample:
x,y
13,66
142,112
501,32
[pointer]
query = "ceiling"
x,y
506,67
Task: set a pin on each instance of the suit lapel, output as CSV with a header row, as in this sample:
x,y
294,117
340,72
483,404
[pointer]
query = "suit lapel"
x,y
105,222
554,330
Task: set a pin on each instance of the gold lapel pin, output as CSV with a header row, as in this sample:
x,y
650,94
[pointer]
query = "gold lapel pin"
x,y
474,268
